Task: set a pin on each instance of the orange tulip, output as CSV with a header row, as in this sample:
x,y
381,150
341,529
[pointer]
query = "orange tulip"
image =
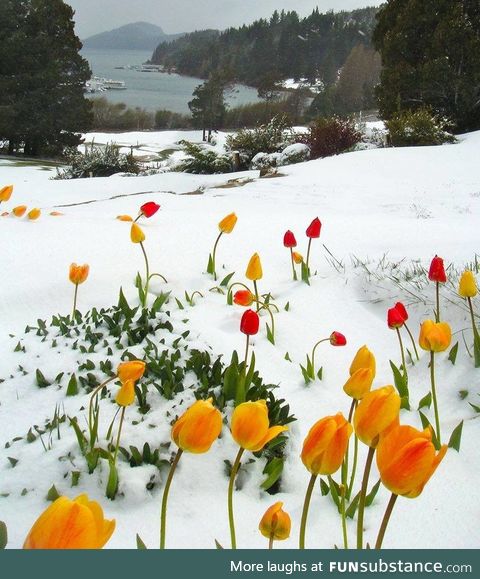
x,y
297,257
136,234
359,383
435,336
198,427
19,211
227,224
326,443
124,218
275,523
126,394
67,524
56,213
406,459
250,426
376,413
254,268
6,193
130,371
363,359
78,273
34,214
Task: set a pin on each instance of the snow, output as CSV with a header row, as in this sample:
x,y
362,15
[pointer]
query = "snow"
x,y
390,208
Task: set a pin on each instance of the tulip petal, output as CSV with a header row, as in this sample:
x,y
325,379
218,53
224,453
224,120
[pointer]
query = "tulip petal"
x,y
272,433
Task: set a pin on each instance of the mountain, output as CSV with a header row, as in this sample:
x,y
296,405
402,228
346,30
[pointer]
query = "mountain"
x,y
135,36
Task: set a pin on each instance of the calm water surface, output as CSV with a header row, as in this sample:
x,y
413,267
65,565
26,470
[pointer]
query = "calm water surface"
x,y
151,90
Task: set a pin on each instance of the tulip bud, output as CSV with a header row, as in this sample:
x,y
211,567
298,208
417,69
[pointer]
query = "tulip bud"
x,y
376,413
406,459
67,524
6,193
437,270
297,257
395,317
313,230
359,383
337,339
227,224
401,310
275,523
149,209
78,273
130,371
254,268
325,446
363,359
136,234
467,287
126,394
249,323
19,211
243,298
198,427
34,214
124,218
250,426
435,336
289,239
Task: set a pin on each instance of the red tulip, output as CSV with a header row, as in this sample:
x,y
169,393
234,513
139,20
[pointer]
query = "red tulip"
x,y
402,311
337,339
149,209
437,270
289,239
397,316
249,323
313,230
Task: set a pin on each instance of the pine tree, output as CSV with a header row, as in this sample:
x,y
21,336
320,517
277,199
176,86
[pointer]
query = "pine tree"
x,y
43,77
208,106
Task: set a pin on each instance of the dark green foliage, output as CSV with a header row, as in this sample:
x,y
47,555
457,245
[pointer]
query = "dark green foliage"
x,y
203,161
420,127
98,162
169,120
331,136
109,116
42,104
208,105
431,58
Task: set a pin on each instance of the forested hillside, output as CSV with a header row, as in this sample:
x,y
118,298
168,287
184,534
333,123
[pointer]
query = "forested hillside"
x,y
286,46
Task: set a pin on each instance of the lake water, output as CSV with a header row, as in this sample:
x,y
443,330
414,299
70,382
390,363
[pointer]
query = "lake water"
x,y
151,90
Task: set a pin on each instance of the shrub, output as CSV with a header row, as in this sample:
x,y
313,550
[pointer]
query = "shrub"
x,y
421,127
330,136
98,162
109,116
169,120
203,161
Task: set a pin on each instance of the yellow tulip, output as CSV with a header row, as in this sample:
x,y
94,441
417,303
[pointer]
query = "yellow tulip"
x,y
126,394
198,427
297,257
6,193
376,413
136,234
19,211
363,359
130,371
67,524
250,426
254,268
227,224
468,286
406,459
435,336
78,273
124,218
326,443
359,383
275,523
34,214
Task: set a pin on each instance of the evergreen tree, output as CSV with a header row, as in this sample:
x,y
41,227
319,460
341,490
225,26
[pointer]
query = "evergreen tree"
x,y
431,58
208,105
42,77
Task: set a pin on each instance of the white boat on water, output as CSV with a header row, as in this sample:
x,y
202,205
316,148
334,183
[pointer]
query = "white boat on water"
x,y
111,84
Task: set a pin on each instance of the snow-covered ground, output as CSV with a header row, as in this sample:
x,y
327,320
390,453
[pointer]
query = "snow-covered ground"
x,y
385,207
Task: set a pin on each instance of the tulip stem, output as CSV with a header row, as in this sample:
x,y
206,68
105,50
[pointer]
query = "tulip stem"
x,y
293,265
246,353
363,494
402,352
437,313
267,308
413,341
158,275
74,302
270,542
344,518
90,409
233,474
306,505
122,416
256,294
434,395
308,255
385,520
163,517
346,459
476,335
214,252
313,353
147,274
354,465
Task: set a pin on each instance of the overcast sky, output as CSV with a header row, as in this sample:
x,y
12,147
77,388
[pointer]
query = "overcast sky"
x,y
94,16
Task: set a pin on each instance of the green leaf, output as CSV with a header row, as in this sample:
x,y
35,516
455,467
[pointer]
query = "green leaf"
x,y
287,307
230,297
139,286
476,348
217,545
112,483
225,281
352,508
324,488
12,461
426,424
372,494
42,382
3,535
52,494
335,490
456,437
306,376
210,268
75,478
452,355
123,304
179,304
476,408
81,438
273,470
320,373
401,384
305,273
287,357
72,387
140,544
270,336
425,402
